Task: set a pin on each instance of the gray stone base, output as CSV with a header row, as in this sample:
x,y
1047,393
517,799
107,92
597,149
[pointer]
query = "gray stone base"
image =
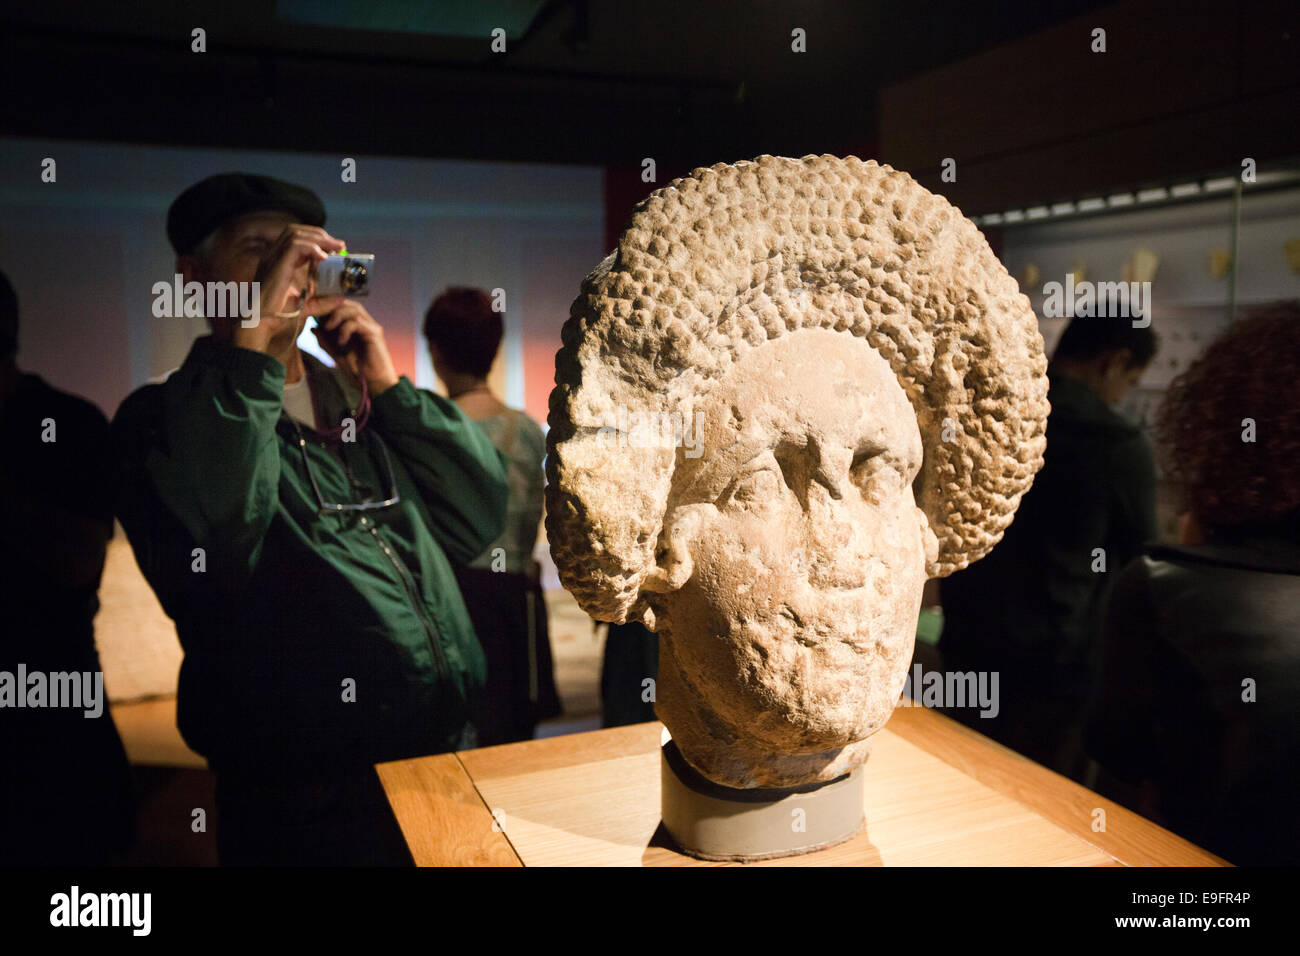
x,y
713,822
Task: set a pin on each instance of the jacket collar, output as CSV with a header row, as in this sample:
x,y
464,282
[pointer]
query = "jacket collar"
x,y
334,390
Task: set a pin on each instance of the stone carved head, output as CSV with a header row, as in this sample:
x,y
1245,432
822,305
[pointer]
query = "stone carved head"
x,y
867,390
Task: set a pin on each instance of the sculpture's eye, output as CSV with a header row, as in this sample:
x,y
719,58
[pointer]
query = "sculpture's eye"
x,y
754,489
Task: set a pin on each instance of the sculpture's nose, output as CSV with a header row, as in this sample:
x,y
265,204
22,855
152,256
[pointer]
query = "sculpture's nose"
x,y
831,470
836,542
813,468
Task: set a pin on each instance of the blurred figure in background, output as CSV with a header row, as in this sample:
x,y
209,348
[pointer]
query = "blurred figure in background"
x,y
502,587
631,656
65,788
1197,720
1031,610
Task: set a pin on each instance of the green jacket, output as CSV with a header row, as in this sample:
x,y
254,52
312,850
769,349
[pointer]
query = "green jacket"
x,y
310,639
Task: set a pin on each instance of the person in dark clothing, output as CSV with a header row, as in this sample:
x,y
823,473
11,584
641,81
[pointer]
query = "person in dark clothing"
x,y
1196,723
631,657
300,523
65,790
1031,609
502,587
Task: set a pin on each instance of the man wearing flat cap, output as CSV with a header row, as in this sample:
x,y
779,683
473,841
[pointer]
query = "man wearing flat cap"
x,y
299,523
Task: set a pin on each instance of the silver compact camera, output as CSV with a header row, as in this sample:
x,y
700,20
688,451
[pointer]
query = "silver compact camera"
x,y
347,273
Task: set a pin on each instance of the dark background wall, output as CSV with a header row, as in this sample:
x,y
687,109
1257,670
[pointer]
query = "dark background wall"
x,y
581,81
1011,90
1184,88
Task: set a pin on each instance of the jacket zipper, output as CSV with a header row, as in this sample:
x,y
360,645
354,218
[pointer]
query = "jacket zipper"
x,y
408,583
414,594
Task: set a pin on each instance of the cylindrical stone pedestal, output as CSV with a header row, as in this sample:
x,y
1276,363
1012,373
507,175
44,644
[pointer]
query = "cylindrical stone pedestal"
x,y
714,822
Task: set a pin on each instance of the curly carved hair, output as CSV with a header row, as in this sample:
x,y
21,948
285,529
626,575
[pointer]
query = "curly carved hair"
x,y
720,262
1248,372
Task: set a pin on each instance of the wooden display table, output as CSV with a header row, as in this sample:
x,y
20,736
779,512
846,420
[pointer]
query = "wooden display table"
x,y
937,793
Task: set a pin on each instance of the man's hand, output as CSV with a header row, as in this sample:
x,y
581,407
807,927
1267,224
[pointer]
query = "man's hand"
x,y
355,341
285,275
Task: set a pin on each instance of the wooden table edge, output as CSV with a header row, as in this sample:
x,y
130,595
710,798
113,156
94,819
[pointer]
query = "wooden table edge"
x,y
1129,839
1049,794
464,791
501,833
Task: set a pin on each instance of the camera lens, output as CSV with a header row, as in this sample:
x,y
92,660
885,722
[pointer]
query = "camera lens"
x,y
355,277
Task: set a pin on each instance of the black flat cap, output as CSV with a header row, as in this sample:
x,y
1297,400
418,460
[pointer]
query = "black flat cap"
x,y
219,199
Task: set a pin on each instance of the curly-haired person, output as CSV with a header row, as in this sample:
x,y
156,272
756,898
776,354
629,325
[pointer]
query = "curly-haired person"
x,y
1197,721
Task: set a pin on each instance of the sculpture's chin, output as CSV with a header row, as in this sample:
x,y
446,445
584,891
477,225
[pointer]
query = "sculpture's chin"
x,y
745,734
816,719
812,689
789,680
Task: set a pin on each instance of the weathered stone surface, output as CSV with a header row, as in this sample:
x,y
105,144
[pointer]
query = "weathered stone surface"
x,y
864,394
